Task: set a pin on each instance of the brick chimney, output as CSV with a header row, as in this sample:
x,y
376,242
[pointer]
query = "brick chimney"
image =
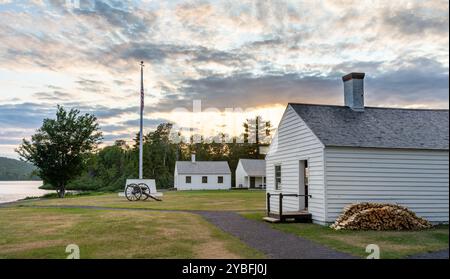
x,y
354,91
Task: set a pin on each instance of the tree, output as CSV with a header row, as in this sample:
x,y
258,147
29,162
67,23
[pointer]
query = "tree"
x,y
60,148
257,130
137,140
160,155
121,143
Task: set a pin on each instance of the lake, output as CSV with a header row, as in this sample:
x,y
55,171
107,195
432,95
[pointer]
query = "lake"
x,y
16,190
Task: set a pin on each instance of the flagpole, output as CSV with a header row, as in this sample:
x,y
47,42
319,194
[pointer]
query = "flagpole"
x,y
141,122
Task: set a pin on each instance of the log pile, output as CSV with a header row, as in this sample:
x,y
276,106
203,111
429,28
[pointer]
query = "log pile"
x,y
379,216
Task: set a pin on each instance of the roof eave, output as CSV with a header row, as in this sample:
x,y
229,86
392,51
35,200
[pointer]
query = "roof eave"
x,y
384,147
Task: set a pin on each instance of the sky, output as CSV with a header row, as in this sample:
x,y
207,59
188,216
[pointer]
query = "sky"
x,y
238,59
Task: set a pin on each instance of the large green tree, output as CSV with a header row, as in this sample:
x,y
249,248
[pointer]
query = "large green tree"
x,y
60,148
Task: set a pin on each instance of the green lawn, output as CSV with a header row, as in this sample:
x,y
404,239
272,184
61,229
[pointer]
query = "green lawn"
x,y
235,200
45,233
393,244
30,232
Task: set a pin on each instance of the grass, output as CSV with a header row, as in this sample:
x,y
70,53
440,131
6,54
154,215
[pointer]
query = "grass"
x,y
173,200
68,195
393,244
45,233
27,232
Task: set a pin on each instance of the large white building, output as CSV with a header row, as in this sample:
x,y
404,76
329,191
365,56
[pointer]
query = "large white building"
x,y
202,175
347,154
251,173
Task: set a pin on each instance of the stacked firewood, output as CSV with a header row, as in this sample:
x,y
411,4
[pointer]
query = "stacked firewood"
x,y
379,216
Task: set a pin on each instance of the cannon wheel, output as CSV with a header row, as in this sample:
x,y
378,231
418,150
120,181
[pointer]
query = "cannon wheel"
x,y
145,191
133,192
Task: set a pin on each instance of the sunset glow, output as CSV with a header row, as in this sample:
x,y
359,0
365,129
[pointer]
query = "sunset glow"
x,y
252,57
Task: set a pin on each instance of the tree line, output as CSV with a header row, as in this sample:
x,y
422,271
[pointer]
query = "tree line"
x,y
66,154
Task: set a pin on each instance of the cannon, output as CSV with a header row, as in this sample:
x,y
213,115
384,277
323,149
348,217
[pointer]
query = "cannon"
x,y
139,191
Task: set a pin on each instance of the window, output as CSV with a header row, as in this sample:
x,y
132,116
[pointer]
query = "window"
x,y
220,179
204,179
188,179
277,177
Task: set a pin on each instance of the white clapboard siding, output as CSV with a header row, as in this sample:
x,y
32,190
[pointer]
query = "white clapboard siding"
x,y
240,176
196,182
293,142
417,179
175,177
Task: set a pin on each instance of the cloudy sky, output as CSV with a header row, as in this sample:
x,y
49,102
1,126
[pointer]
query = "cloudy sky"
x,y
239,58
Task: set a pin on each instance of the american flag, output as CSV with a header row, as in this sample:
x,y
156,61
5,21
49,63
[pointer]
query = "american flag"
x,y
142,98
142,85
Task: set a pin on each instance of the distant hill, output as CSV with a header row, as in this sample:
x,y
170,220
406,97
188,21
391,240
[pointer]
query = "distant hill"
x,y
11,169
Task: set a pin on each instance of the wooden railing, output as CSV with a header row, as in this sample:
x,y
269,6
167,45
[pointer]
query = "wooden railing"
x,y
280,201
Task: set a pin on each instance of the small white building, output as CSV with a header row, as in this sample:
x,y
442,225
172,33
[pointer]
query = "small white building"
x,y
348,154
251,173
202,175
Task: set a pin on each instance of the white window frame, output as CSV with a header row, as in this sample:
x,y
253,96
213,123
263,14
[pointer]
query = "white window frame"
x,y
277,184
204,176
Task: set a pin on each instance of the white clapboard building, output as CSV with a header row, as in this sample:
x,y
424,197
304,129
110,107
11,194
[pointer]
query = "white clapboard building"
x,y
202,175
251,173
348,154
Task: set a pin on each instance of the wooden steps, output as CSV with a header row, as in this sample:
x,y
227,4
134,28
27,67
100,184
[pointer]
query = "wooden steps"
x,y
298,216
271,219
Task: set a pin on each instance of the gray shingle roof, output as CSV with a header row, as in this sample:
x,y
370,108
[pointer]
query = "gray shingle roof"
x,y
377,127
254,167
203,167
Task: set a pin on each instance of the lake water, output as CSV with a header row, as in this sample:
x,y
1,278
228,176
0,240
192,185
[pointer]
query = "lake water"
x,y
16,190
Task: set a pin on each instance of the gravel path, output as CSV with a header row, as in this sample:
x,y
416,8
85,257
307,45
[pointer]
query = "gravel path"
x,y
443,254
274,243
